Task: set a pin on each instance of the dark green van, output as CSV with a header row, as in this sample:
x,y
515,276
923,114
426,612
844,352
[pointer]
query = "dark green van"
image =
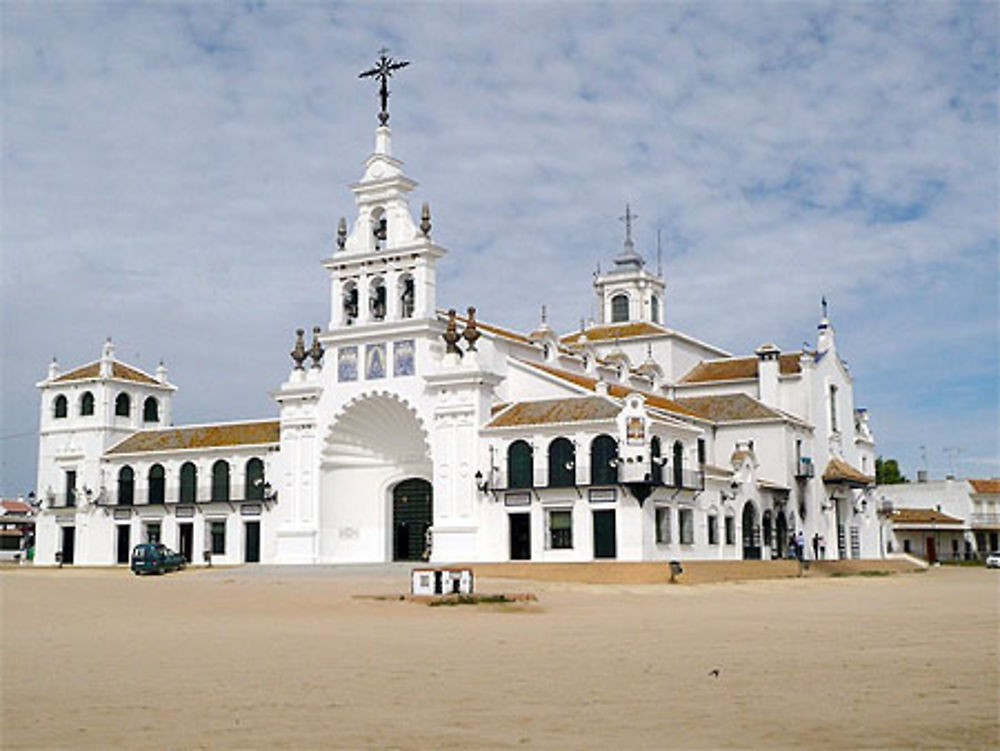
x,y
154,558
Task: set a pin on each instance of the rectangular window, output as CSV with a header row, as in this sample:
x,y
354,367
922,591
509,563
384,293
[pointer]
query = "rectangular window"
x,y
218,532
70,487
686,519
701,451
153,532
713,529
560,530
833,409
730,530
663,525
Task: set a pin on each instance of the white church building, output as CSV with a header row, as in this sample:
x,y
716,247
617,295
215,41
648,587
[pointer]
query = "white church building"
x,y
407,432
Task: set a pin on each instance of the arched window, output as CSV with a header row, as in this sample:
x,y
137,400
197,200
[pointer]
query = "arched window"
x,y
619,308
254,479
380,229
189,483
654,309
603,461
377,299
220,480
655,460
126,486
60,407
562,463
678,464
123,405
407,296
150,410
87,404
157,484
350,303
520,465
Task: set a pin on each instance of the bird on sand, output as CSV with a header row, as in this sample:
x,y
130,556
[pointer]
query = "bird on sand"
x,y
715,672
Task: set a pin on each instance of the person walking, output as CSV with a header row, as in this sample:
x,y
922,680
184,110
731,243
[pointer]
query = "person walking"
x,y
816,546
800,545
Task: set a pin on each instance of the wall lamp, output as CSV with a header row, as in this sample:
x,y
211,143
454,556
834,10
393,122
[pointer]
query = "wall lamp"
x,y
482,485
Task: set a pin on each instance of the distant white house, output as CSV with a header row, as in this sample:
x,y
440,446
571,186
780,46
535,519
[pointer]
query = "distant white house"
x,y
946,519
407,432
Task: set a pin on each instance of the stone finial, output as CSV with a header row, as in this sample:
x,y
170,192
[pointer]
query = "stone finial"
x,y
316,352
161,372
341,233
471,332
299,354
451,335
425,220
53,368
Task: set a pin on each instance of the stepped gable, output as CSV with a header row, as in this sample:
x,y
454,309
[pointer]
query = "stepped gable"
x,y
548,411
199,436
739,368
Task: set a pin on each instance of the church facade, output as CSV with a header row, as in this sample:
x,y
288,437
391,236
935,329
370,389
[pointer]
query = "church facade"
x,y
407,432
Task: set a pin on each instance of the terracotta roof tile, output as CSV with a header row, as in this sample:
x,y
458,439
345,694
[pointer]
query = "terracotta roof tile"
x,y
986,486
837,470
615,331
735,368
616,390
573,409
118,370
200,436
922,516
15,507
728,407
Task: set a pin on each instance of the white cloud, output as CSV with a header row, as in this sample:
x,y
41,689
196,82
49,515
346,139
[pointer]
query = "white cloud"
x,y
173,173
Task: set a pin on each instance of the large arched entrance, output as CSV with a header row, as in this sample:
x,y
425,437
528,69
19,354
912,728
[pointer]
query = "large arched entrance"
x,y
412,516
751,532
375,498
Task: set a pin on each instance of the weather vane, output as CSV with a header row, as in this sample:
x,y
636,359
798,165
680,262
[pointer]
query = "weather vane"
x,y
383,71
629,216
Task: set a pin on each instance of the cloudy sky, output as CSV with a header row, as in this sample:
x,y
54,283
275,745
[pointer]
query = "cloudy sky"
x,y
173,173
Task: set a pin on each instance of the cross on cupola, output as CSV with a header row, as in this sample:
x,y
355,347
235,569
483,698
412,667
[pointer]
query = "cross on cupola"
x,y
629,257
383,71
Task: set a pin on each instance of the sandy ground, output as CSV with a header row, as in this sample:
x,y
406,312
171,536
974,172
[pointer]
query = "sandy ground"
x,y
262,658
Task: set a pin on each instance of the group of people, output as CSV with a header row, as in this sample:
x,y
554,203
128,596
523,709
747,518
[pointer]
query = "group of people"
x,y
797,546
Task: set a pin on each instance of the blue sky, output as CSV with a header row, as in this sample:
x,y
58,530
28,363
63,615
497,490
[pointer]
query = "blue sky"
x,y
173,173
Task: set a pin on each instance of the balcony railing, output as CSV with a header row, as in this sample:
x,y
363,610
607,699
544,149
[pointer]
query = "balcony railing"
x,y
804,468
985,519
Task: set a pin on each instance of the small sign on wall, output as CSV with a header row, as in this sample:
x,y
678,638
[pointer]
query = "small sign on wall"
x,y
185,512
250,509
603,495
517,499
123,513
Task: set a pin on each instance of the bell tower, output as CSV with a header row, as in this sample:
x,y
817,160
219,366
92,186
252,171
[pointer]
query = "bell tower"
x,y
629,293
383,267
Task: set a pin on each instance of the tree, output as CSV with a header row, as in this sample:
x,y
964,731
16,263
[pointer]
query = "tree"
x,y
887,472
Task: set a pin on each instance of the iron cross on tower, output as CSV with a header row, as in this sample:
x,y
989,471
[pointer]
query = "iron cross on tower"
x,y
629,216
383,71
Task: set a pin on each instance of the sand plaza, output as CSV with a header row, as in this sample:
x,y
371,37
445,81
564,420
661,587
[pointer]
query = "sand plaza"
x,y
302,658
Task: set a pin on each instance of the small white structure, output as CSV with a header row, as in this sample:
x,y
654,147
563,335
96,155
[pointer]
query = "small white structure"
x,y
441,581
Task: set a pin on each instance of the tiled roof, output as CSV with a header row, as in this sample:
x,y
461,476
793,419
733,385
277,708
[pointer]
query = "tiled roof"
x,y
986,486
200,436
728,407
840,471
573,409
735,368
15,507
616,390
118,370
615,331
922,516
